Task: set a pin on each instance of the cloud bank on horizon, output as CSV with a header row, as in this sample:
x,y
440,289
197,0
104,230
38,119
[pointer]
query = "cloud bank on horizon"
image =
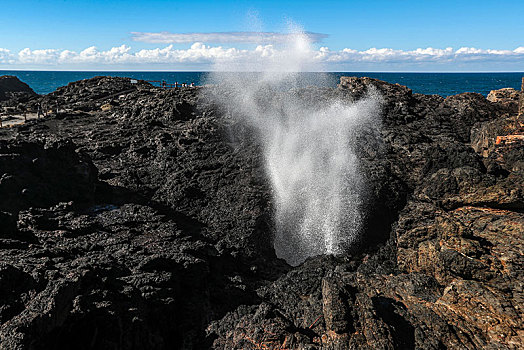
x,y
202,56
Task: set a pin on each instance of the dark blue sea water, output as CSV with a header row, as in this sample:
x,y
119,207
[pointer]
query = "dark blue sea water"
x,y
443,84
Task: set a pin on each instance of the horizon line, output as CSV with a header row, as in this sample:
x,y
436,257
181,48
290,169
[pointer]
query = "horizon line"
x,y
209,71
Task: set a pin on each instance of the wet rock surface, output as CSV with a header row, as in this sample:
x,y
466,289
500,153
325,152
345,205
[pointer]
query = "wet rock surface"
x,y
133,219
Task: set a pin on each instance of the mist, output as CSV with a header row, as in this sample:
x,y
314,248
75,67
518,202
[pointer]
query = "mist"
x,y
309,144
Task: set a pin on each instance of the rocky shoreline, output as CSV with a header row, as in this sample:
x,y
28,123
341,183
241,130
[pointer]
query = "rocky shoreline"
x,y
130,220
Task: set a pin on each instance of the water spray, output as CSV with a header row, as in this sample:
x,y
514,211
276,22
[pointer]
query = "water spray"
x,y
309,147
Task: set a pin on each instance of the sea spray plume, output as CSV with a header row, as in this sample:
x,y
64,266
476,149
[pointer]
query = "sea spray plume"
x,y
314,170
309,147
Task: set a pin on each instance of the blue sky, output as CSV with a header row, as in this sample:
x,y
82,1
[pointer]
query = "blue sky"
x,y
52,34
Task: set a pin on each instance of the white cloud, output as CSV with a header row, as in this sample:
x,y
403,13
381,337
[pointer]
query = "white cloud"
x,y
206,57
6,57
472,50
468,51
463,54
221,37
47,56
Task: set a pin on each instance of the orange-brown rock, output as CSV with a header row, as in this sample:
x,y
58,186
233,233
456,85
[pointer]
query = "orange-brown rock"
x,y
521,100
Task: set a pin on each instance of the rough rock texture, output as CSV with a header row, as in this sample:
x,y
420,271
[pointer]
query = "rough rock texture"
x,y
90,94
521,100
11,88
146,225
37,174
451,274
507,96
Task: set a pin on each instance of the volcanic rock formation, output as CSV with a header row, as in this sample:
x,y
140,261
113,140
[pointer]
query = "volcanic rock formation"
x,y
132,219
11,88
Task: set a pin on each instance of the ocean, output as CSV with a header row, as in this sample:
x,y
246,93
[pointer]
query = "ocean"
x,y
444,84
